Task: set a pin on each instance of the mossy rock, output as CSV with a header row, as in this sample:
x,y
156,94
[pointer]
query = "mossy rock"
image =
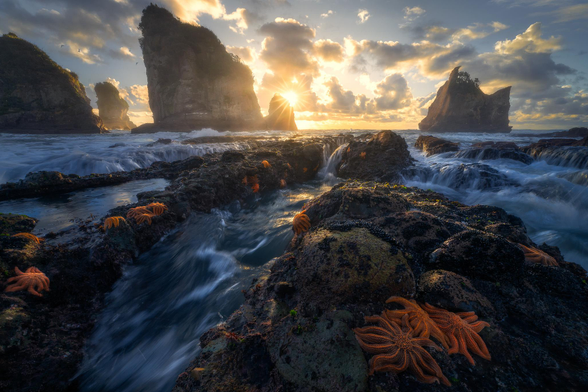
x,y
346,267
324,356
11,327
11,224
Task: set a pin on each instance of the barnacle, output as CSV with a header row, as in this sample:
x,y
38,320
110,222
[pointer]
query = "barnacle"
x,y
32,279
300,223
157,208
461,330
535,255
113,221
395,349
28,236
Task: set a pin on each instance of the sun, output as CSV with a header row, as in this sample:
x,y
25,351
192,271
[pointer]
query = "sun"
x,y
291,97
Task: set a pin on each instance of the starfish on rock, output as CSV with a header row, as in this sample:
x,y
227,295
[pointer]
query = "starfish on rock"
x,y
461,330
113,221
300,223
535,255
396,350
28,236
157,208
32,280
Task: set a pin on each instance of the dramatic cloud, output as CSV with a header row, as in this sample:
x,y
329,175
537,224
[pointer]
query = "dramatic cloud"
x,y
363,15
243,19
328,50
437,34
393,93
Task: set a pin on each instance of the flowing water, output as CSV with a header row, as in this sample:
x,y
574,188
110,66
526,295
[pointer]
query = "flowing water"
x,y
192,279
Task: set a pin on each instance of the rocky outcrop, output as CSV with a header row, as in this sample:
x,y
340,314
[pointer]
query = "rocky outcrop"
x,y
193,82
560,152
573,132
432,145
280,115
460,106
39,96
383,156
112,108
370,241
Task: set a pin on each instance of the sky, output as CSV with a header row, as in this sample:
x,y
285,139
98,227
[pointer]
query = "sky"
x,y
370,64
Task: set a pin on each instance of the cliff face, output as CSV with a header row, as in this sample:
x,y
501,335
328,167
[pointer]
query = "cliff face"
x,y
113,109
38,96
460,106
193,82
280,115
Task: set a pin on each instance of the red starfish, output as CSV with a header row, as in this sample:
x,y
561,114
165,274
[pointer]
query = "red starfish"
x,y
397,350
32,279
461,330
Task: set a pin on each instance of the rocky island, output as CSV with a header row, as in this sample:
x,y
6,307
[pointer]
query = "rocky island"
x,y
39,96
193,82
112,107
280,115
461,106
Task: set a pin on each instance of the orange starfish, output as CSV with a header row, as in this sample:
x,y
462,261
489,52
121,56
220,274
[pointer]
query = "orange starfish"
x,y
144,218
397,350
28,236
418,319
362,155
158,208
535,255
113,221
266,164
282,183
301,222
32,280
461,330
255,188
135,212
305,170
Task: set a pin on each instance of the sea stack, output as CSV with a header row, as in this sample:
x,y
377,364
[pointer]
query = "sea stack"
x,y
39,96
460,106
280,115
193,82
112,108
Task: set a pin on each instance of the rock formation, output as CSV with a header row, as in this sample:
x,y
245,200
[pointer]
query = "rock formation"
x,y
280,115
113,109
432,145
193,82
460,106
38,96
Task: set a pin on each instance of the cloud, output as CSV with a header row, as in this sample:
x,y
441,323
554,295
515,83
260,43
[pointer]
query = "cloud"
x,y
245,53
243,19
573,12
126,51
190,10
412,13
363,15
393,93
530,41
436,33
327,14
329,51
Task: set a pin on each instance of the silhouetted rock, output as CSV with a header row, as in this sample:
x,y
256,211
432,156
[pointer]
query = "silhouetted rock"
x,y
39,96
460,106
280,115
113,109
193,81
432,145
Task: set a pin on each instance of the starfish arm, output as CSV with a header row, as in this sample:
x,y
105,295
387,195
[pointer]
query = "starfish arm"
x,y
397,367
383,323
375,348
426,342
422,363
17,271
32,291
13,279
375,332
402,301
453,344
16,287
463,347
479,326
477,345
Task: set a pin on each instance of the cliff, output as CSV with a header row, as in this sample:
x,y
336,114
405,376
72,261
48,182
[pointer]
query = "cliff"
x,y
460,106
193,82
39,96
113,109
280,115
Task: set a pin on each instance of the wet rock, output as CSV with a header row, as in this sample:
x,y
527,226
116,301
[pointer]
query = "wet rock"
x,y
338,267
496,145
471,176
477,254
381,158
432,145
487,153
561,152
12,224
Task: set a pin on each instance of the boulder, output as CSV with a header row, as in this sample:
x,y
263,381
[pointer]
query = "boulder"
x,y
281,115
193,82
39,96
461,106
112,108
432,145
380,158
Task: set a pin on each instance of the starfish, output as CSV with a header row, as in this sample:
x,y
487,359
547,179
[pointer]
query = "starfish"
x,y
362,155
32,279
255,188
113,221
282,183
461,330
300,223
157,208
535,255
144,218
135,212
418,319
266,164
397,350
28,236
